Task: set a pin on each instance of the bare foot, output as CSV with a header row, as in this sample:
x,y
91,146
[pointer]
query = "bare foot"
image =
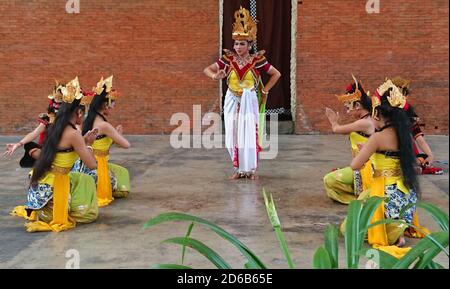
x,y
234,176
254,177
401,242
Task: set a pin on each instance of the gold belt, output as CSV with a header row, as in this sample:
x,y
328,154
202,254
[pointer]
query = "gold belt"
x,y
387,173
101,153
237,93
60,170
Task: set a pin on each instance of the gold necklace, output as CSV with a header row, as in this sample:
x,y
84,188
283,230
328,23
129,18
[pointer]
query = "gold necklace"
x,y
241,61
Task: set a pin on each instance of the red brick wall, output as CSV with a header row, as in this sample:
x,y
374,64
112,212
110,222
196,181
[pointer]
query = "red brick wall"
x,y
157,50
407,38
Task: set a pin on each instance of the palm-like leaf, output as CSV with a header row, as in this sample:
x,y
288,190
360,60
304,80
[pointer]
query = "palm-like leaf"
x,y
167,217
200,247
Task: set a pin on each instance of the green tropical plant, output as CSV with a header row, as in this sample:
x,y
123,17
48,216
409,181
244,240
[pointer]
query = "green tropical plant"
x,y
358,222
359,215
252,260
275,221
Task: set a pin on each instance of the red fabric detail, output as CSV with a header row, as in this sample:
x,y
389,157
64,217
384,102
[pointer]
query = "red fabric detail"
x,y
241,72
432,171
41,138
220,64
349,88
235,157
42,121
265,68
405,108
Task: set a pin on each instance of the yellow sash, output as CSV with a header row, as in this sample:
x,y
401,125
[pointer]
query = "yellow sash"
x,y
104,189
367,171
58,178
61,219
377,236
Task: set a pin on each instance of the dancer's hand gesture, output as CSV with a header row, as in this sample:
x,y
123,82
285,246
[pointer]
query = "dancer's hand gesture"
x,y
90,136
11,148
332,116
220,75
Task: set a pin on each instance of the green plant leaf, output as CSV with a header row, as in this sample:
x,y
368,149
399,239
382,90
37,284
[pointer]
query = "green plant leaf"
x,y
367,213
427,258
385,260
271,210
249,265
188,234
200,247
332,245
170,266
421,248
434,265
284,247
167,217
275,221
321,259
438,215
352,239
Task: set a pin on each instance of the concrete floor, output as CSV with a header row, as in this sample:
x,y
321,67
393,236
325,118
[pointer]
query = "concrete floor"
x,y
195,181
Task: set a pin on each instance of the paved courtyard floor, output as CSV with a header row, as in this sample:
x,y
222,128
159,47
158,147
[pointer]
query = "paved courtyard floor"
x,y
194,181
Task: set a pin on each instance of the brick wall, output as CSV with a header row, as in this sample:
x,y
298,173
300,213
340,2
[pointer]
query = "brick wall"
x,y
157,50
407,38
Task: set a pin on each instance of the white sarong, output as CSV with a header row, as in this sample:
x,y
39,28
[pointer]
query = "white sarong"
x,y
241,129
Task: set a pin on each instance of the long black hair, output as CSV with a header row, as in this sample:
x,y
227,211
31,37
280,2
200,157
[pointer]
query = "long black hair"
x,y
397,118
365,101
52,139
94,108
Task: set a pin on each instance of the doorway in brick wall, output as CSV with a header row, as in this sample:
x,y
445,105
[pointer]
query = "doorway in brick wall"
x,y
275,30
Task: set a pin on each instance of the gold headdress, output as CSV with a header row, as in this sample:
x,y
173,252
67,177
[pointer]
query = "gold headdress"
x,y
351,97
56,93
104,84
375,102
400,82
71,91
395,97
244,27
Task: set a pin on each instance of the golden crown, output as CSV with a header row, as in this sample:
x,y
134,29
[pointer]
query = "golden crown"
x,y
104,84
395,97
351,97
400,82
56,93
71,91
244,27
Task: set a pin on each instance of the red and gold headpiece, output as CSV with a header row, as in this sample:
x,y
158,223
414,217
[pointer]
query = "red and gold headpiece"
x,y
395,97
72,91
351,97
244,27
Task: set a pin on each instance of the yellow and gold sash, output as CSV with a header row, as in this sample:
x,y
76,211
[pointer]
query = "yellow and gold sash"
x,y
387,172
58,178
104,189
